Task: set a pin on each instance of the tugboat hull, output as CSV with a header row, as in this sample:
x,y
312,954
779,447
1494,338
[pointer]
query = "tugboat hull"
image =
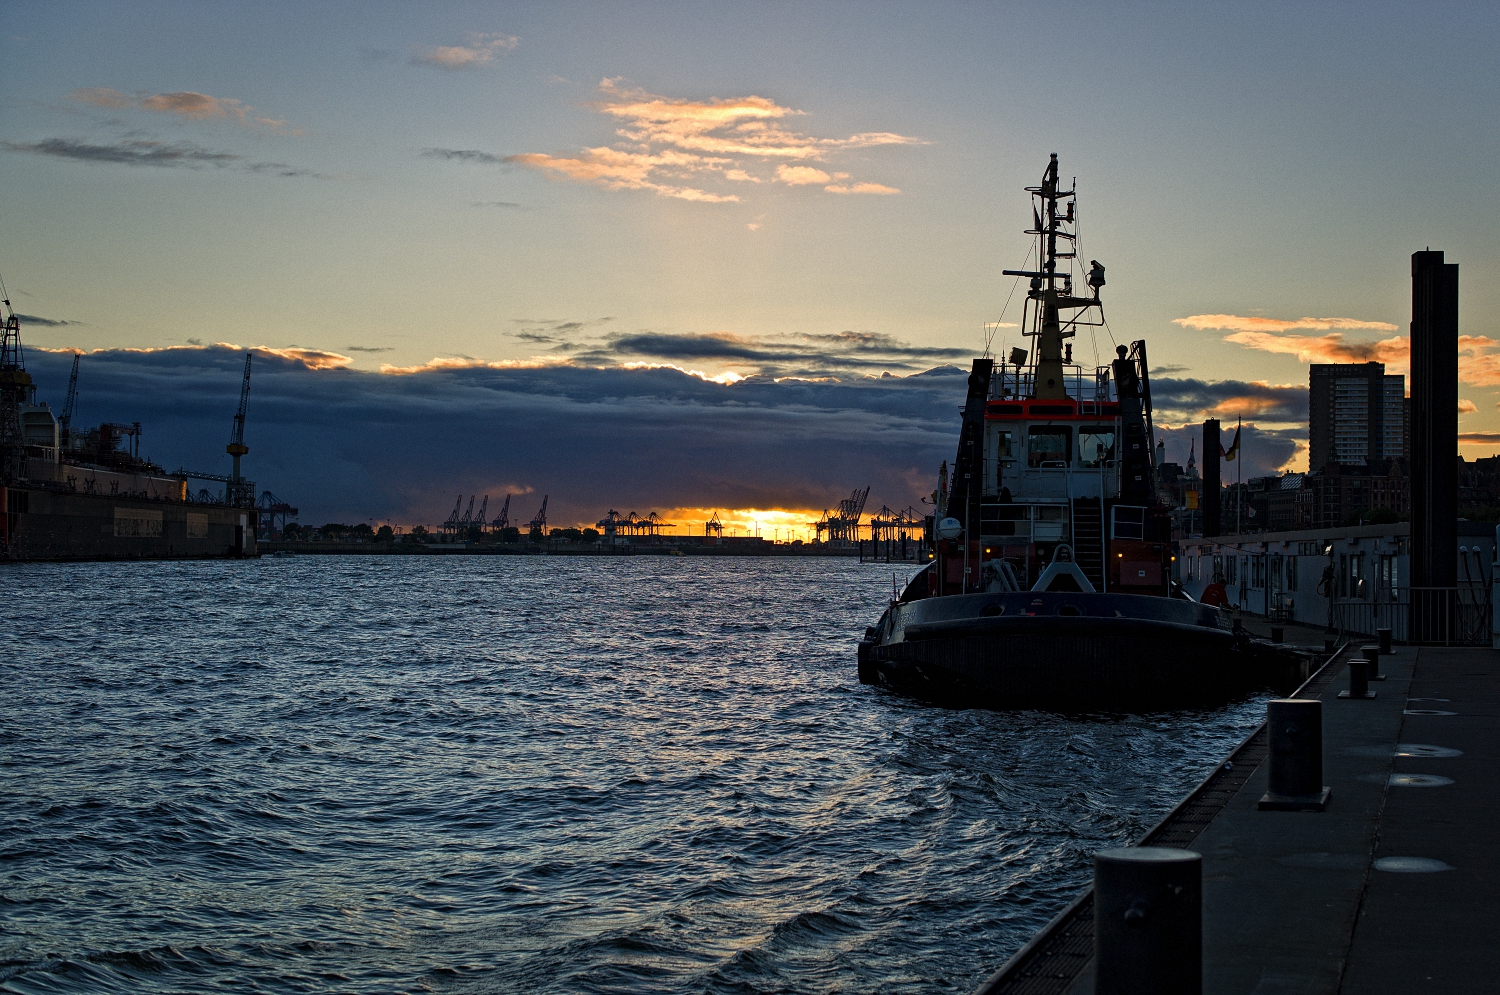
x,y
1069,652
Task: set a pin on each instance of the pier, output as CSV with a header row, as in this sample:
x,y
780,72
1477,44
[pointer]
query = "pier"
x,y
1386,890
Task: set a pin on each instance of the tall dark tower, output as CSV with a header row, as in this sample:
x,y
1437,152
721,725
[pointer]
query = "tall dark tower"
x,y
1212,494
1434,428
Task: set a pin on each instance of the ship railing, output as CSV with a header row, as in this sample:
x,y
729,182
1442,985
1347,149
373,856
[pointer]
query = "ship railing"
x,y
1430,616
1086,387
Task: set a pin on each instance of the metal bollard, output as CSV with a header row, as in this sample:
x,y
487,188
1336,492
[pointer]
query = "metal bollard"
x,y
1294,727
1278,635
1383,639
1372,657
1148,921
1359,680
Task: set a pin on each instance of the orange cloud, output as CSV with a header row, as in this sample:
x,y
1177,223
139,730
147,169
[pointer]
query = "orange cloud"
x,y
313,359
467,363
665,140
481,48
614,169
1330,348
1466,407
875,188
186,104
1238,323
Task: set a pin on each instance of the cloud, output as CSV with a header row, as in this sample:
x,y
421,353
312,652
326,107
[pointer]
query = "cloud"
x,y
1237,323
369,348
805,356
32,319
504,204
188,105
478,50
613,169
1191,400
465,155
146,152
794,176
139,152
1479,438
343,444
683,148
874,188
1466,407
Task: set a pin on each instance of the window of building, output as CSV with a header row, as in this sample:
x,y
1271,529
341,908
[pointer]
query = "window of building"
x,y
1386,578
1096,446
1049,446
1275,571
1291,573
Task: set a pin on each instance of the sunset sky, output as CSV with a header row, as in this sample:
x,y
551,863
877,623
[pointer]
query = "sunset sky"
x,y
569,248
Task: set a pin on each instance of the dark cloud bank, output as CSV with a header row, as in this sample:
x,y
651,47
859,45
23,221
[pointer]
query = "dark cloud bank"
x,y
348,445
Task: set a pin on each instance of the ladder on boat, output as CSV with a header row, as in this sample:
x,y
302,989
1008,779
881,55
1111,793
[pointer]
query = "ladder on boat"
x,y
1088,539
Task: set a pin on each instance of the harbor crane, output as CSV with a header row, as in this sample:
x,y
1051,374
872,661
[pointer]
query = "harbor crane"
x,y
502,520
451,525
237,494
540,521
66,421
478,521
468,519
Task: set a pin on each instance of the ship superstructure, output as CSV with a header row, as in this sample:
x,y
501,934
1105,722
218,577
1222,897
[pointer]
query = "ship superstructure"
x,y
1051,583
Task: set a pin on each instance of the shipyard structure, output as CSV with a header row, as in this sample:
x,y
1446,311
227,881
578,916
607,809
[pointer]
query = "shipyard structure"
x,y
73,493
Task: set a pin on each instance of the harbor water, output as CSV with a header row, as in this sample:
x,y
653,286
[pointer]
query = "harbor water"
x,y
530,774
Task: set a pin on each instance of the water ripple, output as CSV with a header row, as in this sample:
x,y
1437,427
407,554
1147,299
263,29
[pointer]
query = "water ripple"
x,y
526,774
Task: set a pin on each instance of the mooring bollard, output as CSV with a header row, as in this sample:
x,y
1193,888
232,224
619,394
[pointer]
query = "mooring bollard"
x,y
1372,657
1148,921
1278,635
1294,727
1359,680
1383,639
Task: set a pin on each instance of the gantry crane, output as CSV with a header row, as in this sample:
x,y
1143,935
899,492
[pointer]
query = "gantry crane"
x,y
502,520
540,521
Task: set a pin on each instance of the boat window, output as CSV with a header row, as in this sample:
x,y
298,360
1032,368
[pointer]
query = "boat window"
x,y
1096,445
1129,522
1049,445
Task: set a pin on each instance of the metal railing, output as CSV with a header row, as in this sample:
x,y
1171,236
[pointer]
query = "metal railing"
x,y
1434,616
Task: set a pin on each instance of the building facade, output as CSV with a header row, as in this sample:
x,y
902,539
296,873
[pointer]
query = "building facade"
x,y
1356,414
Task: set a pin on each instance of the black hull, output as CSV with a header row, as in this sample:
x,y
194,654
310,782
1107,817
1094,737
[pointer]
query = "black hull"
x,y
1106,653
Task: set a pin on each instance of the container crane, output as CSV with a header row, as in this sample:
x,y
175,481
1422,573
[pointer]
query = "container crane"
x,y
238,495
452,523
478,521
540,521
502,520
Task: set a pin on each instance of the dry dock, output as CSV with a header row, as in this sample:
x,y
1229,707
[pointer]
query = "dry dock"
x,y
1390,889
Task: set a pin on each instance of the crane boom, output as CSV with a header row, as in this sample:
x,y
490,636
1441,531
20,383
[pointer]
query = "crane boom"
x,y
237,493
72,401
237,437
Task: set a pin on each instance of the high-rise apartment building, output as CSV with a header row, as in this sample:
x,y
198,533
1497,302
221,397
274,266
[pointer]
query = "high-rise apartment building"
x,y
1356,414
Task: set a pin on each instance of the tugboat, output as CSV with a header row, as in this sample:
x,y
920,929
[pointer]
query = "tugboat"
x,y
1051,582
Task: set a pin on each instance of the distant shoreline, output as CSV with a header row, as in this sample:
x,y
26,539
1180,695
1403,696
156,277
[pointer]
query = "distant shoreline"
x,y
559,549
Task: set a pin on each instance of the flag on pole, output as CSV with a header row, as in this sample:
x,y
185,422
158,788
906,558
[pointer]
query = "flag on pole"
x,y
1234,447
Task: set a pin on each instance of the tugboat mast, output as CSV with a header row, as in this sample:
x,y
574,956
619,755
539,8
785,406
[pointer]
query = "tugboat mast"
x,y
1051,299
